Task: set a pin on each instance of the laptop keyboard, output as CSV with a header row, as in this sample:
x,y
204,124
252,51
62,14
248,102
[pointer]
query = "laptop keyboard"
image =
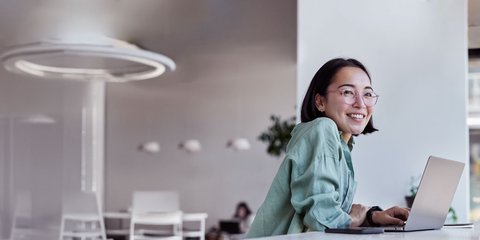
x,y
394,229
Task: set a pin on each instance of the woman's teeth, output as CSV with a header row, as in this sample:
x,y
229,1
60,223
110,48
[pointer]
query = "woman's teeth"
x,y
356,116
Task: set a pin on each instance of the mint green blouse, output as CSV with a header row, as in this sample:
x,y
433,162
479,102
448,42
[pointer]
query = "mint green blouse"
x,y
314,186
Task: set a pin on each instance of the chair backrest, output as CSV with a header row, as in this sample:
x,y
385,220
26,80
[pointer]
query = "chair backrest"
x,y
155,201
156,208
80,203
22,214
23,204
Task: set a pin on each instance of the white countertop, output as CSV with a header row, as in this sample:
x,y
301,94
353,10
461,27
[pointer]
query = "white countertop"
x,y
444,233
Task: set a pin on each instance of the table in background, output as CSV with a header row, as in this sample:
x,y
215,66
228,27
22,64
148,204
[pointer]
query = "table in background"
x,y
123,224
197,231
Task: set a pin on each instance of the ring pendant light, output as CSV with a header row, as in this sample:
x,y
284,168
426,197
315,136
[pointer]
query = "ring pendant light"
x,y
27,60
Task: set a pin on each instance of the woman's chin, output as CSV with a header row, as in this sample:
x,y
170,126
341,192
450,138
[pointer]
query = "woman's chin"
x,y
357,131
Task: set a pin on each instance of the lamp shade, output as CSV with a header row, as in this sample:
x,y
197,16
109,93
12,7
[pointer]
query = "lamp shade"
x,y
38,119
190,146
150,147
239,144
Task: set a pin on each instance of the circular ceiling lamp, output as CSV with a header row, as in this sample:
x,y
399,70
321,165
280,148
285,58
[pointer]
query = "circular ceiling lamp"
x,y
103,59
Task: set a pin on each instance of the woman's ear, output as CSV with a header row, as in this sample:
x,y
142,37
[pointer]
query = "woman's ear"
x,y
319,103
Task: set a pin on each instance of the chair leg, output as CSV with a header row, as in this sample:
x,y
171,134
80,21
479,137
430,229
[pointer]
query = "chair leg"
x,y
202,229
132,232
62,228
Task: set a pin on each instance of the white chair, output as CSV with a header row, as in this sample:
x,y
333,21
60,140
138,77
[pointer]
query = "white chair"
x,y
81,217
22,217
27,224
154,209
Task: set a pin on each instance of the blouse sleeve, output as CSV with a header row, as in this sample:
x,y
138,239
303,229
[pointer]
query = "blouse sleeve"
x,y
315,179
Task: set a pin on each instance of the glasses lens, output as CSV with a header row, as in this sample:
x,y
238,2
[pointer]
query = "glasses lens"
x,y
349,97
370,100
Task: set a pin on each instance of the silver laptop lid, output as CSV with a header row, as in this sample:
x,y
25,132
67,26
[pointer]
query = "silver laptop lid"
x,y
435,193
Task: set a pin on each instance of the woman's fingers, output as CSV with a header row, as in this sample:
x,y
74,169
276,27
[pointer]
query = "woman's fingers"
x,y
391,216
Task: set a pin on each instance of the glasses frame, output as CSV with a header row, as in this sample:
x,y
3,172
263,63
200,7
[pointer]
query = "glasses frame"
x,y
355,95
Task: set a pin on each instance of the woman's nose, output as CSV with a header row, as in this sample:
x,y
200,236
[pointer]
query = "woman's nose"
x,y
359,101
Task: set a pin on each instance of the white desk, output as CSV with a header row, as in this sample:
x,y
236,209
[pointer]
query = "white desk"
x,y
187,217
443,234
198,231
117,215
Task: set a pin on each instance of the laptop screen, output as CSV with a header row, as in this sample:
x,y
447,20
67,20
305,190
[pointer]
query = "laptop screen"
x,y
435,193
230,226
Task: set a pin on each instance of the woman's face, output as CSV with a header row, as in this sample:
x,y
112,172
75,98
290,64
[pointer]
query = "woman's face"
x,y
241,211
347,110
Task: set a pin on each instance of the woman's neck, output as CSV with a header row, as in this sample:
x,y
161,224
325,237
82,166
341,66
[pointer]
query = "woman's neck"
x,y
346,137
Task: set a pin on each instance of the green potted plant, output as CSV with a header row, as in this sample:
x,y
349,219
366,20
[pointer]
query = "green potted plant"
x,y
452,215
277,135
412,191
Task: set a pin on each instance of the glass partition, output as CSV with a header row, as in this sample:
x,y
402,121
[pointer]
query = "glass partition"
x,y
51,146
474,126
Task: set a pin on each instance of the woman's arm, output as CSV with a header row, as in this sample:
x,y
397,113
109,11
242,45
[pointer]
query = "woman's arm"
x,y
319,180
358,215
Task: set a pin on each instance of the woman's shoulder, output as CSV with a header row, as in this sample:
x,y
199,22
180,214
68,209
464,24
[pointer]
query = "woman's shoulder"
x,y
316,131
322,124
319,136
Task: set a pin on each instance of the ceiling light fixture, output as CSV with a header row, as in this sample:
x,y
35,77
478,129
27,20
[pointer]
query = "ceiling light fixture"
x,y
190,145
38,119
150,147
239,144
100,58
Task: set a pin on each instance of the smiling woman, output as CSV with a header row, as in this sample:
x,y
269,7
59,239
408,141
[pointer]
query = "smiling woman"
x,y
315,185
350,110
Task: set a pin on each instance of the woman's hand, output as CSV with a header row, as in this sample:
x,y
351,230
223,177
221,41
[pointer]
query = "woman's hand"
x,y
358,214
392,216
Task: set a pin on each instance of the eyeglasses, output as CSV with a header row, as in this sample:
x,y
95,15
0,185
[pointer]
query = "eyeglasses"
x,y
349,95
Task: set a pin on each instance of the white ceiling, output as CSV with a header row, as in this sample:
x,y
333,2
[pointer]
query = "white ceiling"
x,y
188,31
191,32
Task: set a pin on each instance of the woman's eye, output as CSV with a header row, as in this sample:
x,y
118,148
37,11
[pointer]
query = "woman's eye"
x,y
368,94
348,93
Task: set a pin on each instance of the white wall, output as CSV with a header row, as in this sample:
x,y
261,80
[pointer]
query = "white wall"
x,y
227,84
416,52
215,179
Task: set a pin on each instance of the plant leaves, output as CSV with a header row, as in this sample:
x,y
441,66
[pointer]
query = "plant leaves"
x,y
277,135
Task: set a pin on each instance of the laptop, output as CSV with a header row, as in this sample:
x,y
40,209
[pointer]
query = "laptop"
x,y
230,226
434,196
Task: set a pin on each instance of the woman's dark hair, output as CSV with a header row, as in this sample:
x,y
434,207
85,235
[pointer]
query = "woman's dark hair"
x,y
244,206
320,82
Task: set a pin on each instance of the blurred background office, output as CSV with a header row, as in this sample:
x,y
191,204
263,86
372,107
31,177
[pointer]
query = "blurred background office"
x,y
194,129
